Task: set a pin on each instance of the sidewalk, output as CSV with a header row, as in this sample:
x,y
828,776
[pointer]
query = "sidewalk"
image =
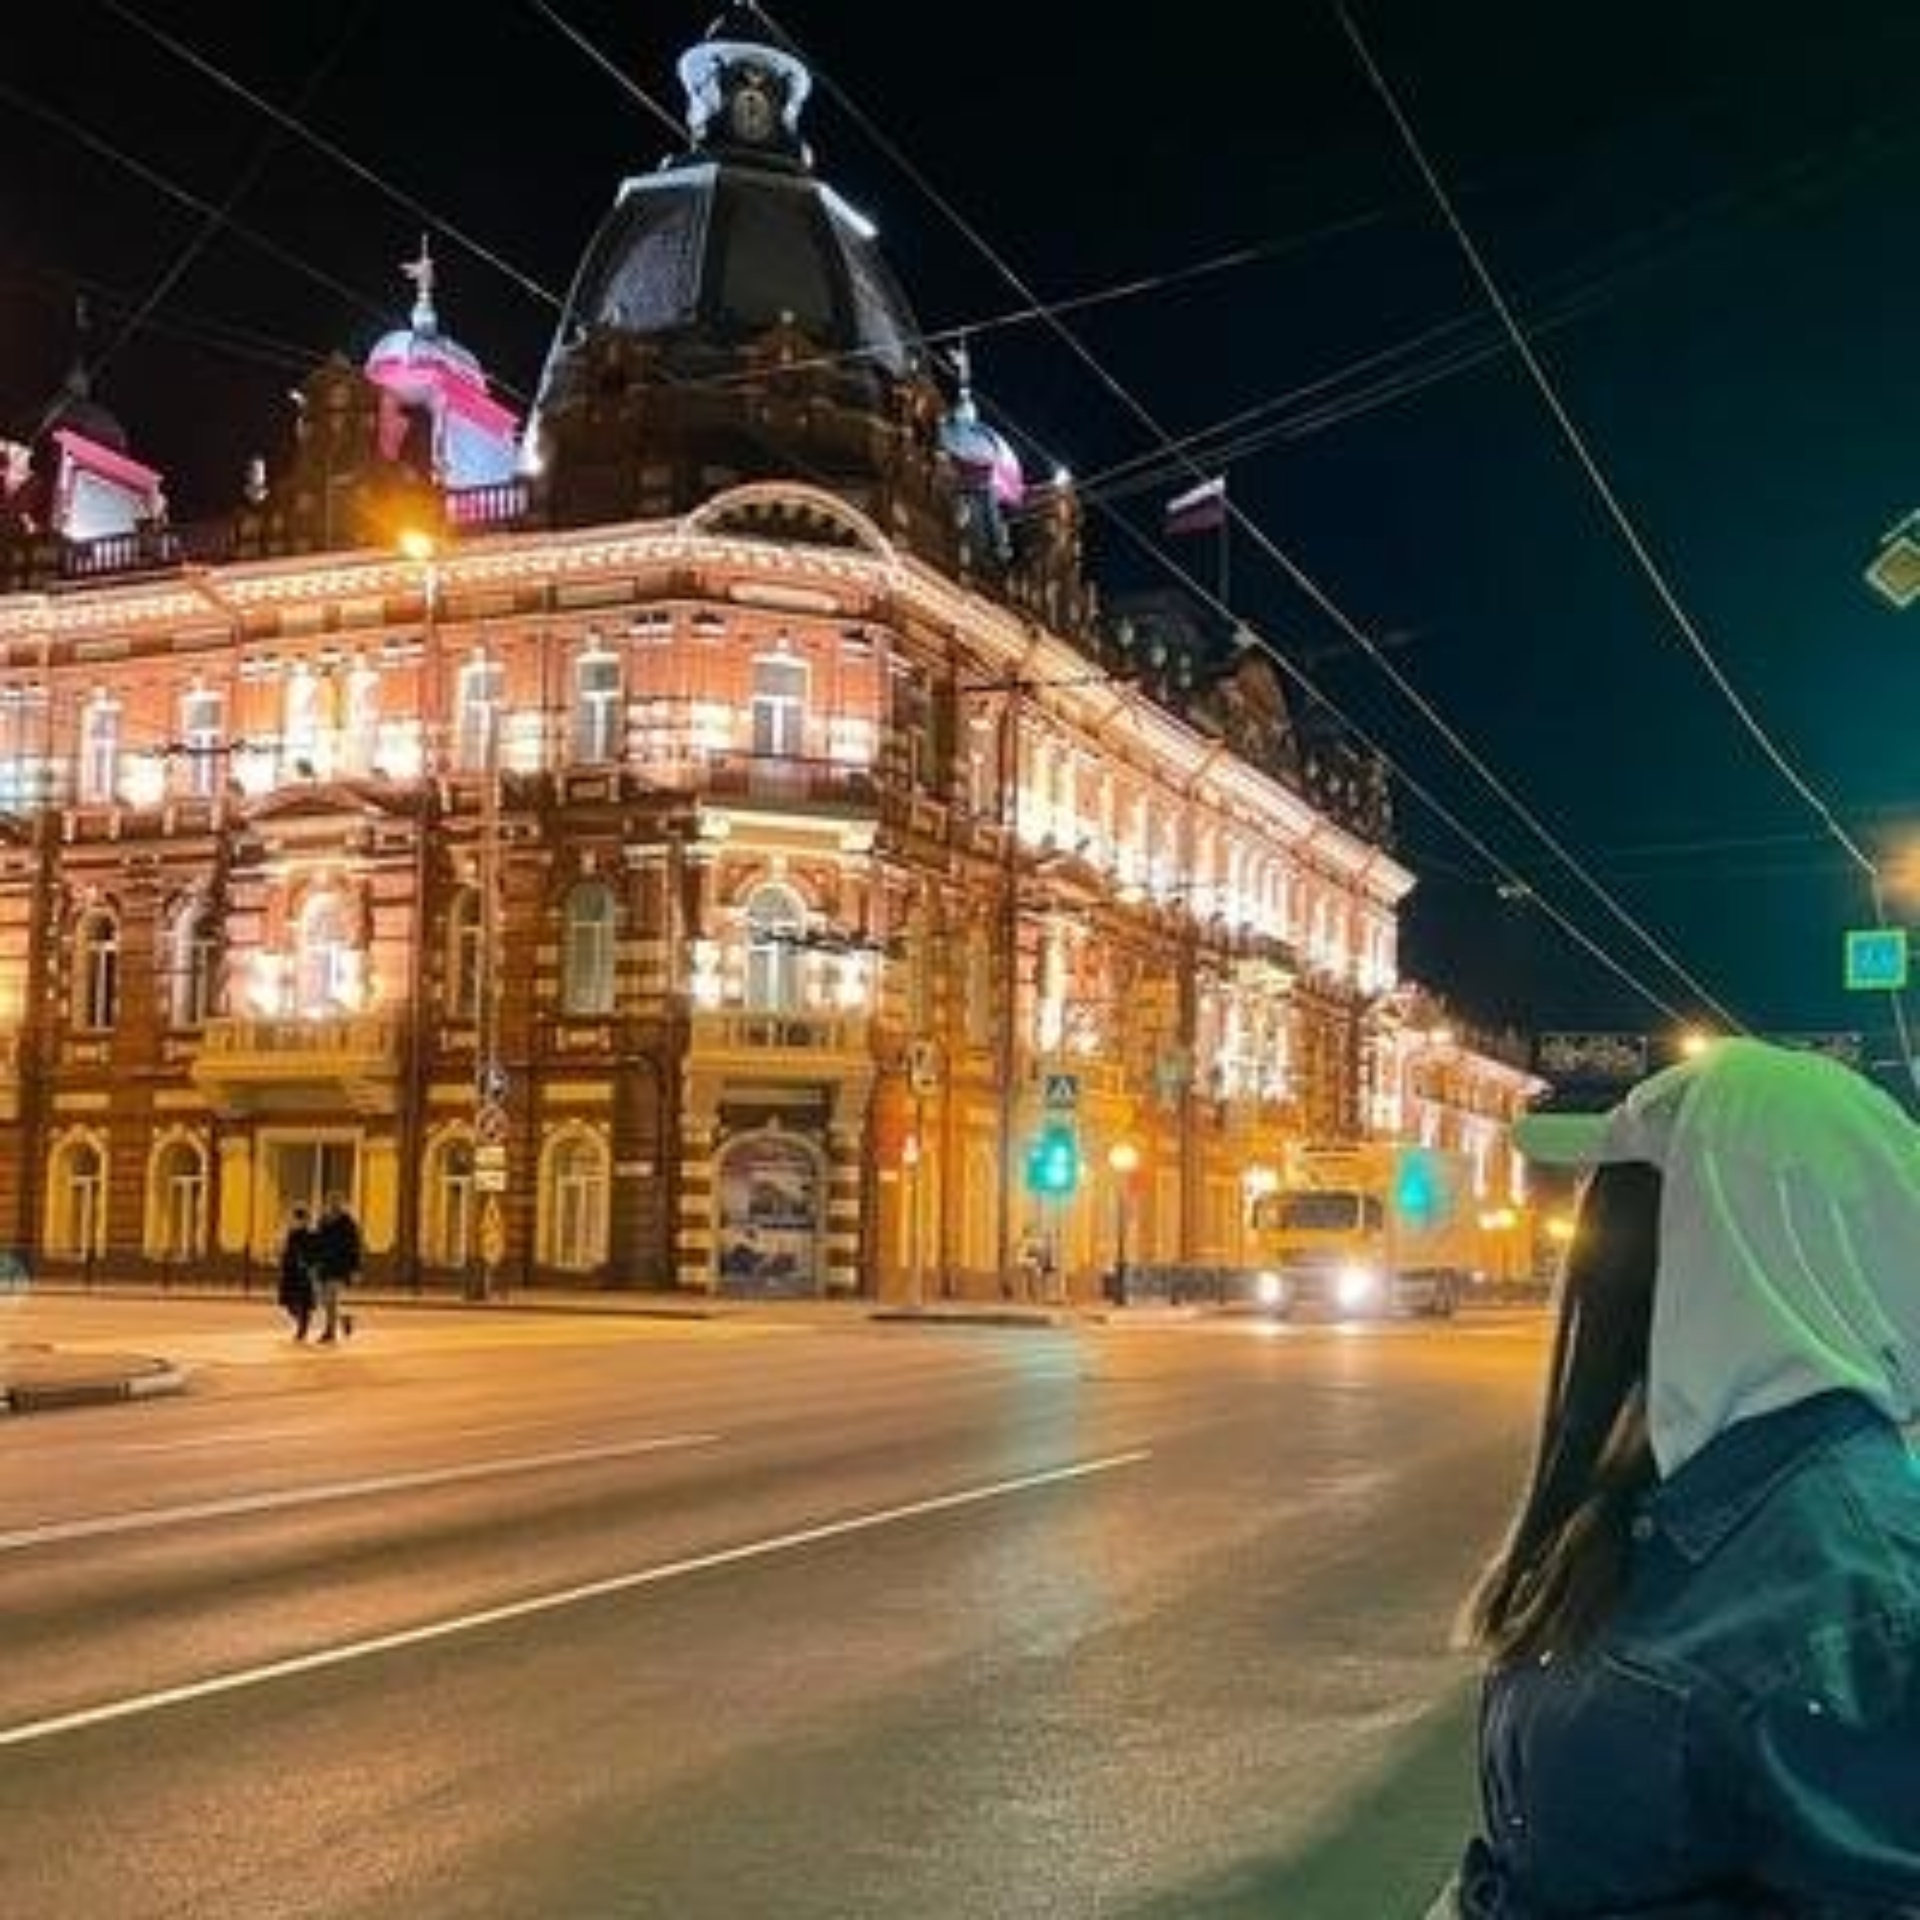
x,y
40,1379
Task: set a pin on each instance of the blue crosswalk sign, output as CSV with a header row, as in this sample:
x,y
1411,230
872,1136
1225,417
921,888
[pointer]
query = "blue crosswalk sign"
x,y
1877,959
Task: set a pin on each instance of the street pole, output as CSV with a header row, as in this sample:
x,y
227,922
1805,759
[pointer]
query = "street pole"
x,y
916,1208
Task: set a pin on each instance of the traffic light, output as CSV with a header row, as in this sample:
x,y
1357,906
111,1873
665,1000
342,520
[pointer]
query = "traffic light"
x,y
1053,1160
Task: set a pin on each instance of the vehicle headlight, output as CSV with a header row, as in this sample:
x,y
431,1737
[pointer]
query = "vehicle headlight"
x,y
1355,1286
1269,1289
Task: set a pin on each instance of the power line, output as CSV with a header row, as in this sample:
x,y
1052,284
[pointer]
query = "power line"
x,y
292,124
1623,522
1298,575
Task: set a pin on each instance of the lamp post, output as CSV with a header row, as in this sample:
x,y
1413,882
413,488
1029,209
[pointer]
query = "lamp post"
x,y
1123,1160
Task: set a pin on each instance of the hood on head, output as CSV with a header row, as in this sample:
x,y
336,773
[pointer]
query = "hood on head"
x,y
1789,1241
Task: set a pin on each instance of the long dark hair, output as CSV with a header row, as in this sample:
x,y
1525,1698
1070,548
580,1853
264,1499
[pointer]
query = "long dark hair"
x,y
1555,1580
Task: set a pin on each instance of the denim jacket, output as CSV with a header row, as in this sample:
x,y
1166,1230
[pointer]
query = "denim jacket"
x,y
1743,1740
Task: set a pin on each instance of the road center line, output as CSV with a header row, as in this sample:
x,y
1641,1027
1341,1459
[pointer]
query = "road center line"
x,y
135,1704
151,1519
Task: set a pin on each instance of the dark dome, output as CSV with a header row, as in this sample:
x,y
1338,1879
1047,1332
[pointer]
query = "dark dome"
x,y
718,254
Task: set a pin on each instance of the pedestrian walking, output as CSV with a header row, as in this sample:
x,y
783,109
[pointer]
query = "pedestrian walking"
x,y
336,1260
297,1291
1703,1696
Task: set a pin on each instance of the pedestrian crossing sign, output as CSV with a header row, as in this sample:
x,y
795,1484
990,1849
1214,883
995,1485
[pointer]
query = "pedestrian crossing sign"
x,y
1876,959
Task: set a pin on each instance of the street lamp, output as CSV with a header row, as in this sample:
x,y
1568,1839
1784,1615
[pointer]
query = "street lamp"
x,y
1123,1158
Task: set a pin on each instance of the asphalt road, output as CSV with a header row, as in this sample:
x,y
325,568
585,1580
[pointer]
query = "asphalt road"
x,y
559,1618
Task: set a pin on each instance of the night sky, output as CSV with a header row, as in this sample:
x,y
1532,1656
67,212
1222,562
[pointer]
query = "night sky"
x,y
1705,213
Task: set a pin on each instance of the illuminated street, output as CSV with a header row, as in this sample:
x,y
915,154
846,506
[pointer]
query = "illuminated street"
x,y
564,1615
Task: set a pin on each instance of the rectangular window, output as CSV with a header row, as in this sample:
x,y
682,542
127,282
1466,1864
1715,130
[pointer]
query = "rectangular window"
x,y
100,750
203,741
596,708
482,683
779,707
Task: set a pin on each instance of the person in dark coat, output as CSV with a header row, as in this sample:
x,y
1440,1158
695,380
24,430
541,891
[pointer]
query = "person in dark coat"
x,y
297,1290
336,1260
1703,1698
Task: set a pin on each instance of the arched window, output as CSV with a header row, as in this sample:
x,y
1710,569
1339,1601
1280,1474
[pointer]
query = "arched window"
x,y
586,958
447,1212
328,967
177,1202
573,1202
193,967
596,704
775,919
96,971
463,955
77,1198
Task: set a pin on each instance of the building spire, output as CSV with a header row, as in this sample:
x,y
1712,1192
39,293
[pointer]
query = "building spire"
x,y
420,271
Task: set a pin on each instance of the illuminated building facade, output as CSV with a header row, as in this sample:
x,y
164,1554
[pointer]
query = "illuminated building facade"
x,y
705,854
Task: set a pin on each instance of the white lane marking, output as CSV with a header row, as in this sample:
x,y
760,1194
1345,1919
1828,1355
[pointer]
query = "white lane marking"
x,y
234,1437
31,1730
149,1519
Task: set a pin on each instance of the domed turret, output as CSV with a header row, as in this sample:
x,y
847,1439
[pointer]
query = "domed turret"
x,y
730,274
440,416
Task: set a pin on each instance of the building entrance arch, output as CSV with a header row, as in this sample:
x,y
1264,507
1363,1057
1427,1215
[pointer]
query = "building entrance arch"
x,y
772,1193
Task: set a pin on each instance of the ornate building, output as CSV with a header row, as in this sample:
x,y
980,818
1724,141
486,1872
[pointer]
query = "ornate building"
x,y
702,839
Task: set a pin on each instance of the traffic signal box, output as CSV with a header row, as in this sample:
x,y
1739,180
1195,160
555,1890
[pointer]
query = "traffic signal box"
x,y
1053,1159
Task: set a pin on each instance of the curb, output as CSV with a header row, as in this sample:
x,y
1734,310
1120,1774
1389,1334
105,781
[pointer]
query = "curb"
x,y
155,1377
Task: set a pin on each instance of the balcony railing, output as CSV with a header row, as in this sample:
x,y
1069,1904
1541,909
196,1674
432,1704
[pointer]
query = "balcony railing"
x,y
250,1062
819,1036
501,503
148,550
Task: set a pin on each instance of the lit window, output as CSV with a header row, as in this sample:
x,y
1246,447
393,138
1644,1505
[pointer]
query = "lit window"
x,y
448,1203
596,705
99,749
177,1203
77,1200
574,1203
775,920
481,687
463,956
96,972
779,706
327,971
203,740
194,967
586,981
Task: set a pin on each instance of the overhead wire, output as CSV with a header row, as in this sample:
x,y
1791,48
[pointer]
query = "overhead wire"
x,y
1623,522
211,70
1297,574
1036,308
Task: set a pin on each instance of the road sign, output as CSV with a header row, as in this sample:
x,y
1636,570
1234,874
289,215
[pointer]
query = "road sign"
x,y
493,1233
1876,959
1062,1092
923,1066
490,1123
487,1156
489,1180
490,1082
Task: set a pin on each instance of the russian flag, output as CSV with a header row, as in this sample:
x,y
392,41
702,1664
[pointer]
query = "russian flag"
x,y
1199,510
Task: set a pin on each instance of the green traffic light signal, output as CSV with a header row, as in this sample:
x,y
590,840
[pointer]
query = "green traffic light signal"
x,y
1053,1161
